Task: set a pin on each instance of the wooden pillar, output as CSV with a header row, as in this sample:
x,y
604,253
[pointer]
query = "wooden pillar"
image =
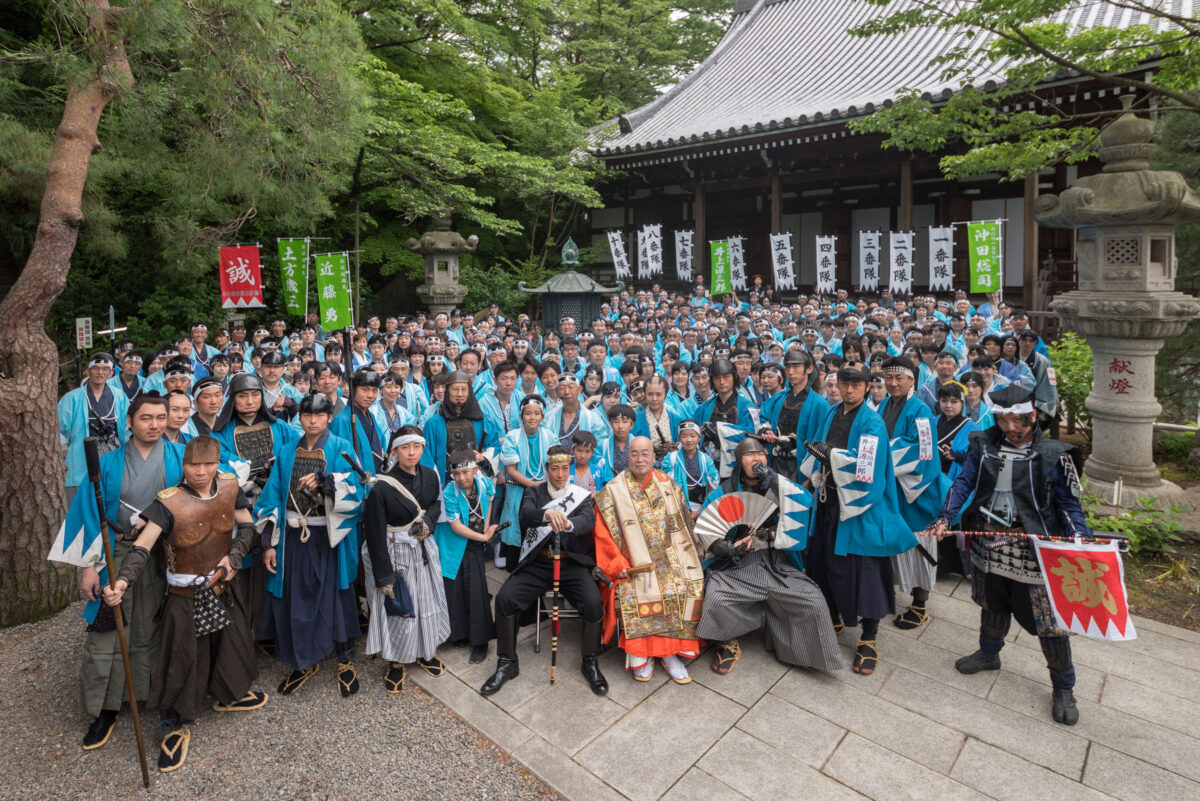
x,y
776,205
699,242
904,221
1030,297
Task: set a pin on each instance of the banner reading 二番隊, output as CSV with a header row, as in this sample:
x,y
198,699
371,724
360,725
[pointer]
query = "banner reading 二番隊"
x,y
983,242
333,290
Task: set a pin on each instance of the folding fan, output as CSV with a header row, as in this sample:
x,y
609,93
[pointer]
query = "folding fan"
x,y
734,509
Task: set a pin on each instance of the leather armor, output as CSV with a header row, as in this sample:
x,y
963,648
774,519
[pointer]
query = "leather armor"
x,y
204,527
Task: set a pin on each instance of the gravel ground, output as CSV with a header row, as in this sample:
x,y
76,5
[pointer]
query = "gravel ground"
x,y
311,745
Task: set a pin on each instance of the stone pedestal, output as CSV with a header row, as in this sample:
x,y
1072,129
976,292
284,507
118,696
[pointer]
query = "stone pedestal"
x,y
441,248
1125,305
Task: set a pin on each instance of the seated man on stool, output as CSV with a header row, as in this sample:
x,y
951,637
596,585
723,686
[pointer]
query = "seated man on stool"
x,y
573,521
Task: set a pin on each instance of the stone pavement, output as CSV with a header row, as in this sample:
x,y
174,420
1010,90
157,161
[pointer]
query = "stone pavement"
x,y
914,729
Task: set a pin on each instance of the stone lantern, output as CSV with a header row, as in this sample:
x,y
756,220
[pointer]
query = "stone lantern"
x,y
570,293
1126,303
441,248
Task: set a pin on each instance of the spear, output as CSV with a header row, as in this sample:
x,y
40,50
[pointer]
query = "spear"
x,y
554,623
92,455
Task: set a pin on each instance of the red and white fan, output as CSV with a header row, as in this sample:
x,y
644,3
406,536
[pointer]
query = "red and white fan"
x,y
734,509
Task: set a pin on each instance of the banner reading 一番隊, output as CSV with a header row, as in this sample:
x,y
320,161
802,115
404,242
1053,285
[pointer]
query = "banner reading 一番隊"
x,y
333,290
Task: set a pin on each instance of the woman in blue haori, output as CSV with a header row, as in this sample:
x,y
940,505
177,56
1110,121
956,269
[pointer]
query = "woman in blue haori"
x,y
523,457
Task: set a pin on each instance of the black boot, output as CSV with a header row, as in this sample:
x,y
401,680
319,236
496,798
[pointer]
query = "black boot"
x,y
1063,707
589,645
506,654
980,660
1057,651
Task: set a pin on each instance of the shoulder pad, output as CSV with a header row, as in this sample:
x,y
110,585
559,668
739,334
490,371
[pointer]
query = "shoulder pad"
x,y
226,476
168,492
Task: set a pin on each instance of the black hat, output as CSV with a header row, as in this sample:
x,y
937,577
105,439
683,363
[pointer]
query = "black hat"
x,y
243,382
797,356
1012,399
853,375
722,367
274,358
316,403
365,378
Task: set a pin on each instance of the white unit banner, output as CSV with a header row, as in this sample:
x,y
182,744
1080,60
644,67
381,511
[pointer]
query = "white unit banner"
x,y
826,264
941,259
683,255
868,260
620,260
781,258
900,252
650,251
737,263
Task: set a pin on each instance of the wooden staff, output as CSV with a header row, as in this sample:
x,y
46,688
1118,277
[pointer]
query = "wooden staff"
x,y
92,456
556,546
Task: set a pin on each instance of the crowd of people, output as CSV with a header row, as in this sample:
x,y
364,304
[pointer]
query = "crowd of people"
x,y
293,490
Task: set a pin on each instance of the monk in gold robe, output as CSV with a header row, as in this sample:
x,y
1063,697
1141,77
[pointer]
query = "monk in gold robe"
x,y
645,545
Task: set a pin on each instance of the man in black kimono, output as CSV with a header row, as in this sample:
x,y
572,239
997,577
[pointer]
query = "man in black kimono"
x,y
534,576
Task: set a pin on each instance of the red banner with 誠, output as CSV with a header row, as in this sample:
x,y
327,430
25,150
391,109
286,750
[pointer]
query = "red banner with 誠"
x,y
241,277
1086,584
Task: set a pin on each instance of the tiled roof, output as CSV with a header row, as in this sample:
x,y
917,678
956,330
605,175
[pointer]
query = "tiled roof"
x,y
788,64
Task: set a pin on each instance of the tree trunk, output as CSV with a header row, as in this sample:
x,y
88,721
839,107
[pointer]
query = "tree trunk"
x,y
32,498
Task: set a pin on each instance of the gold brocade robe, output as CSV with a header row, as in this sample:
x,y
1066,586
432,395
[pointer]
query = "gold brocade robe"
x,y
643,530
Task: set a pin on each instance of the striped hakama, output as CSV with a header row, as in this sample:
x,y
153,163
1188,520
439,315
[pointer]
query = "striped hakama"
x,y
102,675
797,617
914,570
406,639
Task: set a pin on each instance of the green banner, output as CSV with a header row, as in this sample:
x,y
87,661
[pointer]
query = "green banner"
x,y
983,239
333,290
293,264
722,270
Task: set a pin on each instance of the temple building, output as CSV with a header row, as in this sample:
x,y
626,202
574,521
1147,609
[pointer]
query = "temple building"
x,y
755,141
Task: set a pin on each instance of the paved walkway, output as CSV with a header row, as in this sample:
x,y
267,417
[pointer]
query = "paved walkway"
x,y
915,729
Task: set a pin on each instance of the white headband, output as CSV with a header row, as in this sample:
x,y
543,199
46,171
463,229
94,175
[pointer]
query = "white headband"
x,y
407,439
1020,408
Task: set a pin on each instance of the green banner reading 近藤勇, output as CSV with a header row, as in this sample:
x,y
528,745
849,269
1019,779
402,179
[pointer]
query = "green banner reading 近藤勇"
x,y
983,239
333,290
722,269
293,264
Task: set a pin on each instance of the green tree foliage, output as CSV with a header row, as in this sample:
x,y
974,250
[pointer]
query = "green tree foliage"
x,y
255,119
1025,42
1178,381
486,110
1072,360
241,124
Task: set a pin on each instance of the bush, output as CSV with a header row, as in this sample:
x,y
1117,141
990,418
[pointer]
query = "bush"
x,y
1071,358
1150,529
1174,446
